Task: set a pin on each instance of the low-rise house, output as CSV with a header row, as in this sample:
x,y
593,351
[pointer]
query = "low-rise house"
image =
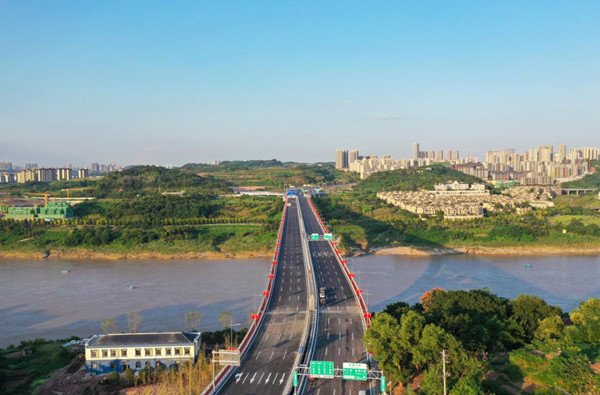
x,y
117,352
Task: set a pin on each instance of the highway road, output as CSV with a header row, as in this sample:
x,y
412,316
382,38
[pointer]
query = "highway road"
x,y
340,330
268,363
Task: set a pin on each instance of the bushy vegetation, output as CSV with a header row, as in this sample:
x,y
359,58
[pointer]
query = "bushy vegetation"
x,y
136,216
152,179
589,181
273,174
412,179
476,328
21,374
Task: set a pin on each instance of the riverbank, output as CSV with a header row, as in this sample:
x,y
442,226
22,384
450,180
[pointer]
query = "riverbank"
x,y
132,255
538,250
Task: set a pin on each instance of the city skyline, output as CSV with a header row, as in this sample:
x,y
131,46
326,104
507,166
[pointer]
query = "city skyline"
x,y
184,82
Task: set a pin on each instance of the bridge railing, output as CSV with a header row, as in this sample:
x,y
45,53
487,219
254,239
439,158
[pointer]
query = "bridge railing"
x,y
258,320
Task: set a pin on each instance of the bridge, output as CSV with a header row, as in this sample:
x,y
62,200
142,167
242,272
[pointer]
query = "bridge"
x,y
291,330
577,191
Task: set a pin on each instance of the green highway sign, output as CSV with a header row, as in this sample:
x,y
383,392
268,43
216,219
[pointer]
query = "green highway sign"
x,y
321,369
295,379
354,371
328,236
383,384
314,236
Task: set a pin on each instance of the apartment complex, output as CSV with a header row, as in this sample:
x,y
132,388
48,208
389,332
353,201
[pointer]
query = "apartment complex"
x,y
541,166
34,173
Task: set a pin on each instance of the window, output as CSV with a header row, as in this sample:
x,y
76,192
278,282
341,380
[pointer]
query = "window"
x,y
177,351
167,351
187,351
104,353
113,353
123,352
93,353
124,366
158,351
138,365
113,365
138,352
94,366
147,352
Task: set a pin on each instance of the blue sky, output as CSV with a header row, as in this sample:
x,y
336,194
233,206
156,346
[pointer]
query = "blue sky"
x,y
177,82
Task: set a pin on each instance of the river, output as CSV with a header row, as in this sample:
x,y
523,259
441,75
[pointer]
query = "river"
x,y
38,300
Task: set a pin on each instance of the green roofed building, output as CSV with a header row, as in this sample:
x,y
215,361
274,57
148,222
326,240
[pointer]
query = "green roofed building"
x,y
54,210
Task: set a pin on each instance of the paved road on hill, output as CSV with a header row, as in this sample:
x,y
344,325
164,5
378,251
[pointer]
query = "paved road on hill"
x,y
267,365
340,330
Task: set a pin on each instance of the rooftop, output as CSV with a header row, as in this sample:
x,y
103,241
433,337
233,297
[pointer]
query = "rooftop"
x,y
134,339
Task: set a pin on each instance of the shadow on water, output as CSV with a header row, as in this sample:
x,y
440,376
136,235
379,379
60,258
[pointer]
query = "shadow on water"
x,y
19,324
453,273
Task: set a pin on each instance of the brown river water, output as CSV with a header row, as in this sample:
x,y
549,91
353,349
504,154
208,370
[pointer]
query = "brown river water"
x,y
38,300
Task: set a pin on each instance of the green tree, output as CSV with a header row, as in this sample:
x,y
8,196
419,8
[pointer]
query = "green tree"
x,y
529,310
586,322
550,328
128,376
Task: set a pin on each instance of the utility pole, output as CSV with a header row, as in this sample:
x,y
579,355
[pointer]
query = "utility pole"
x,y
444,368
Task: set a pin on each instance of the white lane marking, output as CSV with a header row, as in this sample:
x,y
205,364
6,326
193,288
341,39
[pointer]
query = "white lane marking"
x,y
279,337
271,357
252,379
238,377
327,320
257,355
284,354
334,391
325,351
339,320
266,337
281,380
350,321
340,336
246,378
327,335
352,335
338,351
268,377
275,378
338,307
261,376
318,391
352,352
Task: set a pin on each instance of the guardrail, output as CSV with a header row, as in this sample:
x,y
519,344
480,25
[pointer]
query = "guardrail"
x,y
226,371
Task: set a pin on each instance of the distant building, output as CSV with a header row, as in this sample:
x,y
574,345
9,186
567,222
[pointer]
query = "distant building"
x,y
94,168
416,151
341,159
6,166
82,173
117,352
352,157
